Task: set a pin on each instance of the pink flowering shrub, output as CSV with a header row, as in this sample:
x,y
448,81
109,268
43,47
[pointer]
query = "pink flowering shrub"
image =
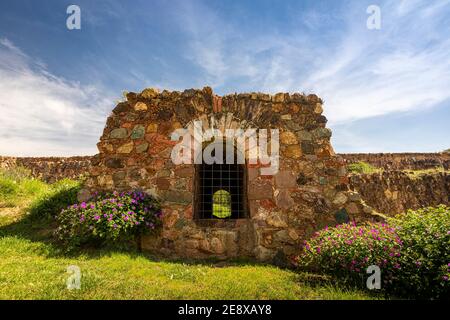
x,y
347,250
108,218
412,252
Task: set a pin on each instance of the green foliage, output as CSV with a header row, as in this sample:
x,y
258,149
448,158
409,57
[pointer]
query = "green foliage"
x,y
108,218
17,185
60,194
347,250
222,204
425,256
411,251
361,167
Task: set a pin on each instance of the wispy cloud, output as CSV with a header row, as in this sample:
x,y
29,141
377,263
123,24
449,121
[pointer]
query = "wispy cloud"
x,y
360,73
43,114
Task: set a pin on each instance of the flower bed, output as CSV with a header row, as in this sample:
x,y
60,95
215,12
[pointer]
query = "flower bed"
x,y
108,218
411,252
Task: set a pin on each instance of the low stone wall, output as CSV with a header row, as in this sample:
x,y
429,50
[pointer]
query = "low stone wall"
x,y
388,192
393,192
50,169
401,161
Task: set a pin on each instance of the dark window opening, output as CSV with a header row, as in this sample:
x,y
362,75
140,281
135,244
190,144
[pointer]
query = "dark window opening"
x,y
220,191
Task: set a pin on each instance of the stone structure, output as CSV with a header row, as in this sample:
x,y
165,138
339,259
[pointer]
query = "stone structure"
x,y
402,161
50,169
309,191
55,168
392,192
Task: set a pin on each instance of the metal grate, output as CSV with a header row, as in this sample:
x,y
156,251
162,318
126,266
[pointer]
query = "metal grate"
x,y
221,191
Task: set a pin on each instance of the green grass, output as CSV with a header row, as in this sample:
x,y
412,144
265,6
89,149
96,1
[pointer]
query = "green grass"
x,y
419,173
32,266
362,167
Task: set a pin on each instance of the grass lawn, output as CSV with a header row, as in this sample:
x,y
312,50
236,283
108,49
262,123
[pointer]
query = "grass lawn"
x,y
33,267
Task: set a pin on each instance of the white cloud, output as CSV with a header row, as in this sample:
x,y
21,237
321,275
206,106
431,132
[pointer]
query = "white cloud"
x,y
360,73
45,115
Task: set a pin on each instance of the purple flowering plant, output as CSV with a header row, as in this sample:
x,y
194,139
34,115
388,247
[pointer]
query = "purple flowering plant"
x,y
108,217
348,249
411,250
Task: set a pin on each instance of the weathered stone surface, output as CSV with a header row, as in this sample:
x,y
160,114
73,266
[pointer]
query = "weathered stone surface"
x,y
307,147
352,208
285,179
142,147
340,199
162,183
150,93
318,108
122,107
126,148
303,135
114,163
284,199
293,151
118,177
105,181
177,196
260,191
395,192
216,246
277,220
119,133
321,133
283,237
288,137
264,254
138,132
140,106
184,172
152,128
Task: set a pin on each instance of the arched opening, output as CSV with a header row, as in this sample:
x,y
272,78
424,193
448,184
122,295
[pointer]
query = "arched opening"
x,y
220,189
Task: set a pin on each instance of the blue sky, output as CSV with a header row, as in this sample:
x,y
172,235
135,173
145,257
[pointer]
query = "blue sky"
x,y
385,90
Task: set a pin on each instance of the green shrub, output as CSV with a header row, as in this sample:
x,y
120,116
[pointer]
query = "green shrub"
x,y
411,251
59,195
346,251
361,167
108,218
425,256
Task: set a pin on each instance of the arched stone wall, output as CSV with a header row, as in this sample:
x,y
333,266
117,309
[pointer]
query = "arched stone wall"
x,y
309,191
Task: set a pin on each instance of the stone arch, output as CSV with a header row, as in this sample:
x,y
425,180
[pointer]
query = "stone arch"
x,y
309,191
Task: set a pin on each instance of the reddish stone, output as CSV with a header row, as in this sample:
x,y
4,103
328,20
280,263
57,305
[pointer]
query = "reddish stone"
x,y
184,172
162,183
267,204
285,179
127,125
343,180
165,128
188,213
261,191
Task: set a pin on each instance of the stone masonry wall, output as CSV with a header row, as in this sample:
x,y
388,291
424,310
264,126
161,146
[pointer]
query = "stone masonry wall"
x,y
309,191
50,169
392,192
401,161
54,168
